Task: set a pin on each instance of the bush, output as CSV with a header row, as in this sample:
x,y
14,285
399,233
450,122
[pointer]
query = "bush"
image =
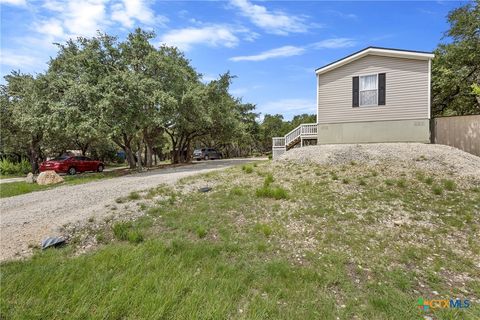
x,y
15,168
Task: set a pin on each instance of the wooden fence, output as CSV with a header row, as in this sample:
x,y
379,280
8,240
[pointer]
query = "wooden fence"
x,y
462,132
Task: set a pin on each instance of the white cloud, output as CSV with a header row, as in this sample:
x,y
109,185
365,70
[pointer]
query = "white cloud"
x,y
85,18
275,22
14,2
334,43
52,27
288,107
285,51
16,60
289,51
213,36
128,11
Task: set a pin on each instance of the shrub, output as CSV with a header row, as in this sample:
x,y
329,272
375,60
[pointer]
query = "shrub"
x,y
437,189
449,185
15,168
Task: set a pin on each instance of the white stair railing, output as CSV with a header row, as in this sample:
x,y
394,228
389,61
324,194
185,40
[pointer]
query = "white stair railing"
x,y
280,144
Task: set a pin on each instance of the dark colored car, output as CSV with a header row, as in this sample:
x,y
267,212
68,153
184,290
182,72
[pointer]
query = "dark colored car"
x,y
206,154
72,165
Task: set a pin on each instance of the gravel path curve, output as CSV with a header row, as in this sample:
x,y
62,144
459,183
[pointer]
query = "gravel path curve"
x,y
27,219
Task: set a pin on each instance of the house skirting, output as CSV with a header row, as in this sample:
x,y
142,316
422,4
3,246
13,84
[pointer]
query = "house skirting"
x,y
375,131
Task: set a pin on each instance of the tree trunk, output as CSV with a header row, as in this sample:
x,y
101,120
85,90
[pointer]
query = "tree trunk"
x,y
33,154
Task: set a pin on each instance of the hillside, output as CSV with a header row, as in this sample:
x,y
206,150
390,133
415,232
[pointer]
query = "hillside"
x,y
343,238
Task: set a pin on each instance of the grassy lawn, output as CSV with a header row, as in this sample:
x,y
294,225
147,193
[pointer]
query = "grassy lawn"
x,y
277,241
11,189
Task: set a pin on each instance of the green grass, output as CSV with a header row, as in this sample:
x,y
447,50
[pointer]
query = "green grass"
x,y
247,168
11,189
326,251
272,192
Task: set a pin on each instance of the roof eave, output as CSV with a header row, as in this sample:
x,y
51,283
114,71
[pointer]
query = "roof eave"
x,y
378,52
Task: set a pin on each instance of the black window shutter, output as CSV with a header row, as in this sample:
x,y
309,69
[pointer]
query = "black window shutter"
x,y
355,92
381,89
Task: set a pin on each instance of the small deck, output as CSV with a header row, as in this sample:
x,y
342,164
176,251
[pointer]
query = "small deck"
x,y
294,139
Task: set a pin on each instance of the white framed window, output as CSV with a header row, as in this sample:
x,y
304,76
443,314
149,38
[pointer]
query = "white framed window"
x,y
368,90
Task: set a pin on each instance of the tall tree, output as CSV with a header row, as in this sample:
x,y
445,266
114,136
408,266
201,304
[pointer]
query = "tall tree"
x,y
456,66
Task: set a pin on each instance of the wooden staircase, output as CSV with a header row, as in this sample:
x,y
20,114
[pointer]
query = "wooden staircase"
x,y
294,139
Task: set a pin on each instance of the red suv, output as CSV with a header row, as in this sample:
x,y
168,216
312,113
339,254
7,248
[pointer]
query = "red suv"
x,y
72,165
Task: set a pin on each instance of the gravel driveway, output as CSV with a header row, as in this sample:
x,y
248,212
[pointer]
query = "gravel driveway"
x,y
28,218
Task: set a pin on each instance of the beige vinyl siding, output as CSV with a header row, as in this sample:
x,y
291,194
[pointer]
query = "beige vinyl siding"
x,y
406,91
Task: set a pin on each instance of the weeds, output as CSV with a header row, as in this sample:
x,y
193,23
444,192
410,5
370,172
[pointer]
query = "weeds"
x,y
125,231
247,168
134,196
276,193
437,189
263,228
449,184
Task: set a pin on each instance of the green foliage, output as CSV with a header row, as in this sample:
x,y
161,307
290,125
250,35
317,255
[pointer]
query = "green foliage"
x,y
276,193
455,72
268,180
437,189
247,168
263,228
449,185
125,231
8,167
134,196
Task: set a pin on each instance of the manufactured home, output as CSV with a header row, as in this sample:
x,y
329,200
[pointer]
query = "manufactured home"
x,y
373,95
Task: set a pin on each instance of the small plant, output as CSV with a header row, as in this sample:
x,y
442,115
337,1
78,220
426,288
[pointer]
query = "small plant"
x,y
100,238
237,191
334,176
389,182
374,173
91,219
429,181
8,167
276,193
362,182
420,176
255,165
449,185
401,183
120,200
263,228
134,196
125,231
345,181
201,232
353,163
247,168
437,189
268,180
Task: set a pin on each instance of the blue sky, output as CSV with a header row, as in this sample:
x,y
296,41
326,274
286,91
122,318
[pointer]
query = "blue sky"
x,y
273,47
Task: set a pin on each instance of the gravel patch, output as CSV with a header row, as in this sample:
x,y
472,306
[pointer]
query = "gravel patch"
x,y
27,219
429,157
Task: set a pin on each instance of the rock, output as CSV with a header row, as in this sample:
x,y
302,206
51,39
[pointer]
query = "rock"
x,y
30,178
398,223
49,177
